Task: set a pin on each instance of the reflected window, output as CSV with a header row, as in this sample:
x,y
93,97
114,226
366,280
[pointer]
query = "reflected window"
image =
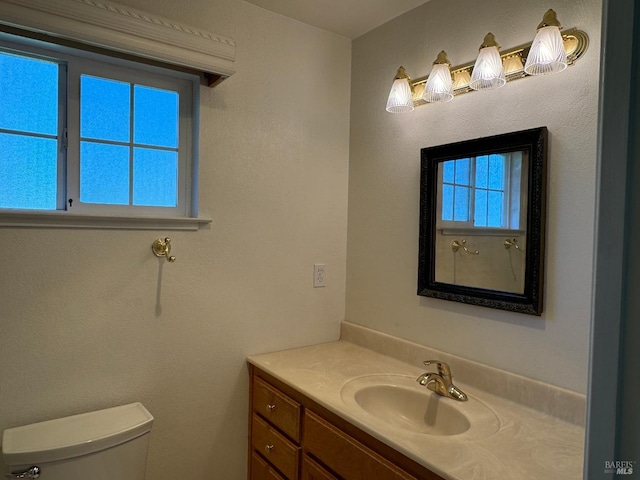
x,y
483,191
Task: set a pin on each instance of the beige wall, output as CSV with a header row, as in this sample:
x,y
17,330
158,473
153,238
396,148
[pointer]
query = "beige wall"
x,y
384,184
88,319
494,267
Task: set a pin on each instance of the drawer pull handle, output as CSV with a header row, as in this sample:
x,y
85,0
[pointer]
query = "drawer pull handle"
x,y
271,407
268,448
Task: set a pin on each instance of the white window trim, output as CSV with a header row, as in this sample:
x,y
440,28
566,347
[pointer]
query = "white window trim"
x,y
109,25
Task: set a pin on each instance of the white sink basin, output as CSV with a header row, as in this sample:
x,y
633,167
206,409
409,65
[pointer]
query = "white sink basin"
x,y
400,402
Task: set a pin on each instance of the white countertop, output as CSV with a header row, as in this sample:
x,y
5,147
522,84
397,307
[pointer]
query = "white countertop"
x,y
528,445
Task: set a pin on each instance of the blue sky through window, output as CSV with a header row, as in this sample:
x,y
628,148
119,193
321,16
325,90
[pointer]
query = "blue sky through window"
x,y
29,127
156,117
489,191
473,188
105,109
155,177
28,170
104,173
28,94
112,163
456,189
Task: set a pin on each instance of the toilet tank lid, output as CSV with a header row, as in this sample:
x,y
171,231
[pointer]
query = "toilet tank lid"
x,y
74,436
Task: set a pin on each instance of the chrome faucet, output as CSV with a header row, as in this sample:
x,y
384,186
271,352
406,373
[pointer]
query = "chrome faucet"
x,y
441,381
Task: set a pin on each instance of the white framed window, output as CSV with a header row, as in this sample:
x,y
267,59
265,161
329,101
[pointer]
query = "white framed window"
x,y
87,139
483,192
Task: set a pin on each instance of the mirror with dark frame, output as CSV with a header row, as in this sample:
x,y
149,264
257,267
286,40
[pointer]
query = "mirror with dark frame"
x,y
482,221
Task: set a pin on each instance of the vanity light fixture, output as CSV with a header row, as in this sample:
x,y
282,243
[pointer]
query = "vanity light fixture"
x,y
439,86
551,51
488,72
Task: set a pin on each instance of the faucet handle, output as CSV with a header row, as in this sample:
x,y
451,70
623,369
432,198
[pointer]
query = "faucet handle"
x,y
443,368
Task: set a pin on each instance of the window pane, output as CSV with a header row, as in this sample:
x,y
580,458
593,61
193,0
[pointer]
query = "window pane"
x,y
494,217
155,117
104,173
482,171
28,170
28,94
448,169
496,172
463,171
104,109
447,202
461,207
480,214
155,177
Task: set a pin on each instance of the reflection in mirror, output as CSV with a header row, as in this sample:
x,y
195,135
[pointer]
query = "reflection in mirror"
x,y
480,197
482,221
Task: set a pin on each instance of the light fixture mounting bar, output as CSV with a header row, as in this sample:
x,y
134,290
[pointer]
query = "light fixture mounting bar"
x,y
576,43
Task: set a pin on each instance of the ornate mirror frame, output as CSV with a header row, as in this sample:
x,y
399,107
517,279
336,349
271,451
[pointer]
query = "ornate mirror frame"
x,y
530,301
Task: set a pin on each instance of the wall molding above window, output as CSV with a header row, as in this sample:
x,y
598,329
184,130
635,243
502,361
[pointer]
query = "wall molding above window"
x,y
112,26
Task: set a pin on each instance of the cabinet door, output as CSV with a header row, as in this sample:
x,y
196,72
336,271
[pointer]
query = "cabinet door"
x,y
345,455
260,470
312,471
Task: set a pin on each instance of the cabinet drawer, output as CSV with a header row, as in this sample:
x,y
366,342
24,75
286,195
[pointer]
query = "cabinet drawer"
x,y
279,451
333,448
312,471
260,469
279,409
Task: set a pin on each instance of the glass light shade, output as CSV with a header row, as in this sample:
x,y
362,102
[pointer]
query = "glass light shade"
x,y
547,54
439,86
400,98
488,72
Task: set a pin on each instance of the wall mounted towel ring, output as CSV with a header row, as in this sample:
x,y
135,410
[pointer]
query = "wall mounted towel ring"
x,y
162,248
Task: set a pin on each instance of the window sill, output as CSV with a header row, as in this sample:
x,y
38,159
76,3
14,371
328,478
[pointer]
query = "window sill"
x,y
485,231
28,219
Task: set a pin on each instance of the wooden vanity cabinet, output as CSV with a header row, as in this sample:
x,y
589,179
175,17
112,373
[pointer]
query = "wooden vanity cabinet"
x,y
291,437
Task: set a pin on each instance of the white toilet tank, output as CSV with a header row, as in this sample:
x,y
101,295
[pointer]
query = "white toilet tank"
x,y
107,444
